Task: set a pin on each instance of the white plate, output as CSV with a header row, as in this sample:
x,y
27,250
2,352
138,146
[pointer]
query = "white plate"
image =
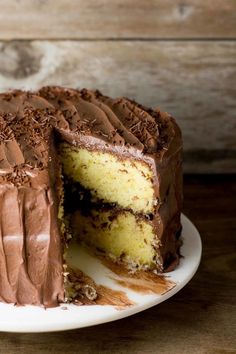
x,y
34,319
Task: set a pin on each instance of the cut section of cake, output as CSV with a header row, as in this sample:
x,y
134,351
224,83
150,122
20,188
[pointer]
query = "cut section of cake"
x,y
111,177
125,164
106,171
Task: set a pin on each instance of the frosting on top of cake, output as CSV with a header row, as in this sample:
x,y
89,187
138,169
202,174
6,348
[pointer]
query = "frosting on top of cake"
x,y
27,120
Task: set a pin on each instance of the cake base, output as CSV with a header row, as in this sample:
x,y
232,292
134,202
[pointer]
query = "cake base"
x,y
68,316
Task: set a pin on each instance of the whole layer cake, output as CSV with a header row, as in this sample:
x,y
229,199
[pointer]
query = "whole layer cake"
x,y
75,162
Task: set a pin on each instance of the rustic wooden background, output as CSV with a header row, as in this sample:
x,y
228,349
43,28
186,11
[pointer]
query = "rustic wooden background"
x,y
200,319
179,55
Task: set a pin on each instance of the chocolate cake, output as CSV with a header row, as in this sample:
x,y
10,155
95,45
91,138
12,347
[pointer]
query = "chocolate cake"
x,y
106,171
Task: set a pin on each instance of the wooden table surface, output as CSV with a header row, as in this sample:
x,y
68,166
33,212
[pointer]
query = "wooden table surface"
x,y
201,318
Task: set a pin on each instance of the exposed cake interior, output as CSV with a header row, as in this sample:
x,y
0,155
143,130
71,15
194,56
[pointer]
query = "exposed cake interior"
x,y
121,230
121,235
126,182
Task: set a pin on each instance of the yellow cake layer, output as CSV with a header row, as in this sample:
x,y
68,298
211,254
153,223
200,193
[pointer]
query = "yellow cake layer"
x,y
127,183
121,237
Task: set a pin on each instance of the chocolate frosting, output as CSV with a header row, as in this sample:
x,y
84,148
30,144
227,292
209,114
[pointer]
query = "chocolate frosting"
x,y
31,245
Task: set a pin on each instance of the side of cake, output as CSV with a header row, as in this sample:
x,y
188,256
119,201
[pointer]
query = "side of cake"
x,y
30,249
112,166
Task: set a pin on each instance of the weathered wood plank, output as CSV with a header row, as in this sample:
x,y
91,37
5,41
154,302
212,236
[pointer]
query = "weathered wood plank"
x,y
195,81
117,19
200,319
